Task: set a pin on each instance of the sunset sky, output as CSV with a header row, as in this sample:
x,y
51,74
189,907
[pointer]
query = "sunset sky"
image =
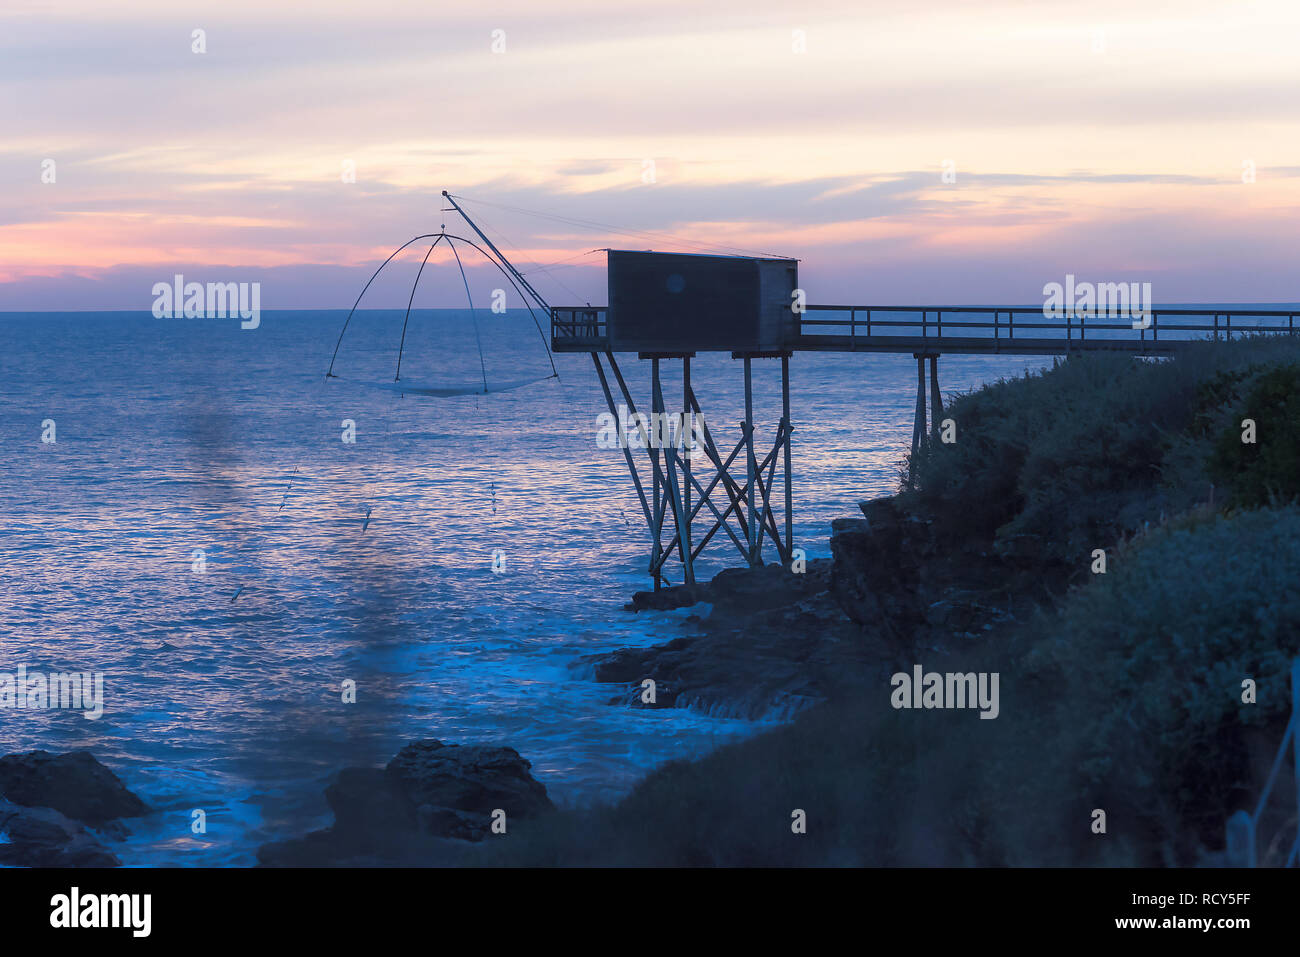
x,y
1112,140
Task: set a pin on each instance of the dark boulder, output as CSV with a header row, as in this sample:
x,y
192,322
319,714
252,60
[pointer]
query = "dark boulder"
x,y
666,599
360,797
876,575
751,591
918,587
40,837
473,778
429,792
74,784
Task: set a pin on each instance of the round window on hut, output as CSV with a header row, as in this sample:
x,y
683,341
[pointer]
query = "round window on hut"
x,y
676,283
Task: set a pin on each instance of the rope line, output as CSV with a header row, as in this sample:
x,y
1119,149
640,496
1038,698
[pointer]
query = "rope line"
x,y
402,345
330,372
449,237
472,316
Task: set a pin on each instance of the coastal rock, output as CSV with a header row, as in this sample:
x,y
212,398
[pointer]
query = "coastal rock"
x,y
876,572
666,599
916,587
471,778
429,792
752,591
41,837
364,799
744,590
74,784
773,644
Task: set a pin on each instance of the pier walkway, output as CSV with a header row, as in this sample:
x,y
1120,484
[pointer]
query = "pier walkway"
x,y
971,330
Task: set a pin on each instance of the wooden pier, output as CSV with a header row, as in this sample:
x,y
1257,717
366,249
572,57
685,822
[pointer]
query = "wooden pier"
x,y
924,332
969,330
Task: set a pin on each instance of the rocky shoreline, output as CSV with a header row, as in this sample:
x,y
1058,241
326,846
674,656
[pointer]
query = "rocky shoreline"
x,y
765,643
54,807
773,643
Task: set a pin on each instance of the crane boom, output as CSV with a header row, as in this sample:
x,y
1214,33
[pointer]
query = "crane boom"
x,y
505,262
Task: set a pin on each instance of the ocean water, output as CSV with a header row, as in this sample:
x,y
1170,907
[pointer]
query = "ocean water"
x,y
223,676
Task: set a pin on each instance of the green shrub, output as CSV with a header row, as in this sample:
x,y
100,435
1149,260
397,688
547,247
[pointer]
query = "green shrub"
x,y
1100,445
1068,458
1149,661
1268,468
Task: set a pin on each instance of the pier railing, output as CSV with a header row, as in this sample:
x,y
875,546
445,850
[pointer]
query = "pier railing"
x,y
576,328
1243,827
1023,330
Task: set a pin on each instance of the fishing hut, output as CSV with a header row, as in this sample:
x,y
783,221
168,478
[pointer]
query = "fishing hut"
x,y
667,308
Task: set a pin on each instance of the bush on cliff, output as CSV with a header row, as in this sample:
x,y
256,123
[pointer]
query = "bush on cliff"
x,y
1097,447
1147,664
1269,467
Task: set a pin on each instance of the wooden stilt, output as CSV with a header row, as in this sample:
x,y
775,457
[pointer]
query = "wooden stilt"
x,y
755,537
789,488
627,453
730,485
918,424
685,440
737,504
936,400
659,504
672,492
656,562
676,488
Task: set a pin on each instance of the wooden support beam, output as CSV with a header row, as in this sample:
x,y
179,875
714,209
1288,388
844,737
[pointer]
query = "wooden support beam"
x,y
672,491
721,520
767,521
627,453
789,487
659,503
936,400
755,537
918,423
738,503
686,459
711,450
655,559
677,488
